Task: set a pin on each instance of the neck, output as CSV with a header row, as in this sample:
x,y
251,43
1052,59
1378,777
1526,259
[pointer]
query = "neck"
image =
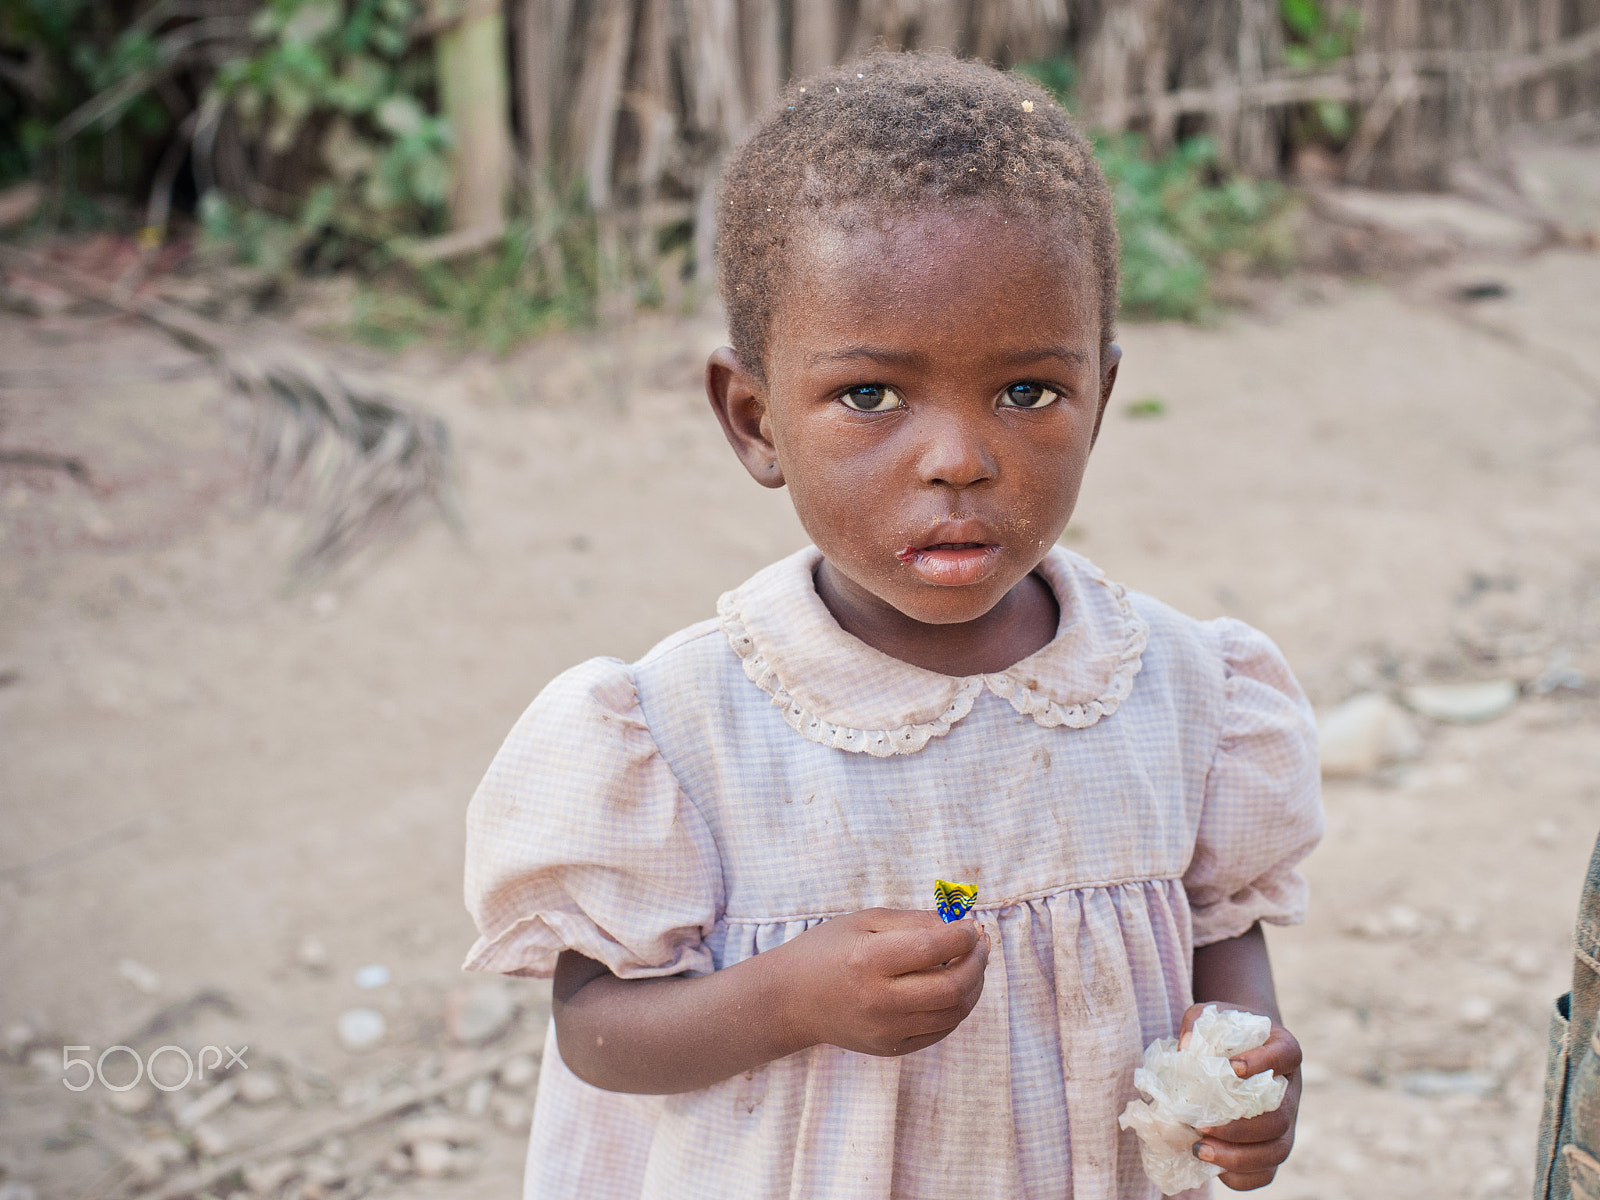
x,y
1022,623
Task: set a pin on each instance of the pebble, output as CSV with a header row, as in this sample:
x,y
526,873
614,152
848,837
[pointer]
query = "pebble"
x,y
1364,733
149,1161
513,1113
262,1179
260,1086
432,1160
46,1062
141,976
477,1099
19,1037
373,976
452,1131
480,1013
312,954
1462,703
1449,1083
209,1140
208,1105
133,1102
517,1073
17,1190
361,1028
1475,1011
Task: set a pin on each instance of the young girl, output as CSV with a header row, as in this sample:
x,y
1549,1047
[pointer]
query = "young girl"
x,y
725,853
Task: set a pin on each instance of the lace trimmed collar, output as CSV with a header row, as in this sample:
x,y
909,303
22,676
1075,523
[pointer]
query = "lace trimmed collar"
x,y
836,690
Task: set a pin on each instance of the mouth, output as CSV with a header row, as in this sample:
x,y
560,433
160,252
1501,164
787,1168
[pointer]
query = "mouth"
x,y
951,564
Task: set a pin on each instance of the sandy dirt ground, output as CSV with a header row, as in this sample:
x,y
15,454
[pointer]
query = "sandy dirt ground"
x,y
220,798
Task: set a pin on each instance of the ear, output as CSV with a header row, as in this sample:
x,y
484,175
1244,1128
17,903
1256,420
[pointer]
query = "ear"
x,y
740,401
1109,362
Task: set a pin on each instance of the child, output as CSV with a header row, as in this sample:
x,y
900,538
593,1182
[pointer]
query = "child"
x,y
725,853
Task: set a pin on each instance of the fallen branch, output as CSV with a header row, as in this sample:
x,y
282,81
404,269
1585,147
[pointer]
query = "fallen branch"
x,y
363,460
1364,77
395,1103
47,460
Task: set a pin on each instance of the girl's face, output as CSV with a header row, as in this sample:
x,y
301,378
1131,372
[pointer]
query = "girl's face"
x,y
933,389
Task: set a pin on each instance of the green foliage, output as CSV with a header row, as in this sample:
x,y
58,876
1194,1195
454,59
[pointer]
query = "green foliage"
x,y
333,80
1180,218
542,275
62,53
1058,76
1318,38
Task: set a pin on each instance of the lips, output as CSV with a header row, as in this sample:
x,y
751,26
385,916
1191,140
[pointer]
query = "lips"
x,y
954,554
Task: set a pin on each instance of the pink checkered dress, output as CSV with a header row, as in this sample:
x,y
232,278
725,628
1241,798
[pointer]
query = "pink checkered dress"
x,y
1143,784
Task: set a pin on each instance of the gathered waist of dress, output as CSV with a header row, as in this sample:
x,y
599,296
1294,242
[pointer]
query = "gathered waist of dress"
x,y
982,905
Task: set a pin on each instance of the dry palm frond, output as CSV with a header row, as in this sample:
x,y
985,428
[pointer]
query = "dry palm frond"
x,y
363,464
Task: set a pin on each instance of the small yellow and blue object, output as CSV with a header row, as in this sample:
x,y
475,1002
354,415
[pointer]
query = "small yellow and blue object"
x,y
954,900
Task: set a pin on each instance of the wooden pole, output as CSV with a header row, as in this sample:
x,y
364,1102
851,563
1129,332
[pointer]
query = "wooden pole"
x,y
816,36
475,94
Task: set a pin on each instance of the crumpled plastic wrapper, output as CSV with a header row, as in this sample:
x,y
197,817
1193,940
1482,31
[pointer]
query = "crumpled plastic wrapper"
x,y
1196,1088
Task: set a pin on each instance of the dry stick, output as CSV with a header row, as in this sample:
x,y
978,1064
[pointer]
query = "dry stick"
x,y
1345,85
1396,91
341,1126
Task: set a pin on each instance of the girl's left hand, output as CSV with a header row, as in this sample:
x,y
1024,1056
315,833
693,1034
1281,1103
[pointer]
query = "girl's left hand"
x,y
1250,1152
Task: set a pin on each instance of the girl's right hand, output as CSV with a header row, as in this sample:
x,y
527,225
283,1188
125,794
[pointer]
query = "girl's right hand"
x,y
885,981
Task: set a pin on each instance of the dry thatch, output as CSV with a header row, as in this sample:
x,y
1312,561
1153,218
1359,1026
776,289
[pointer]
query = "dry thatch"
x,y
362,464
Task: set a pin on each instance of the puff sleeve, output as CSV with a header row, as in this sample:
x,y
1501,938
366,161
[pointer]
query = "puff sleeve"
x,y
1262,809
579,838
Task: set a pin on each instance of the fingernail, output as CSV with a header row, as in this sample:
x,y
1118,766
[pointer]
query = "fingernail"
x,y
1240,1066
1202,1151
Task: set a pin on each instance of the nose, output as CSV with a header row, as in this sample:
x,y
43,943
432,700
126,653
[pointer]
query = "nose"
x,y
953,454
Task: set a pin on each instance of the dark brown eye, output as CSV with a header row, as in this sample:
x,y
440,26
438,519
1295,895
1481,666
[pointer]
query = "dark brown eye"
x,y
1027,395
872,398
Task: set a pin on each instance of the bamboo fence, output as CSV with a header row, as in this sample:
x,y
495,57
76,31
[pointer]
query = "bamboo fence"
x,y
639,100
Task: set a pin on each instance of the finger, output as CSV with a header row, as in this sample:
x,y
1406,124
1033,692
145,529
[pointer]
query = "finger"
x,y
1242,1158
1246,1183
1190,1016
903,950
1265,1128
927,948
1280,1053
960,982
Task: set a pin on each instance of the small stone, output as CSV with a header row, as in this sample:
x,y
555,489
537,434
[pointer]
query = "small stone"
x,y
480,1013
208,1105
312,954
1449,1083
265,1178
17,1190
517,1073
323,1172
324,604
260,1086
373,976
133,1102
1314,1074
1527,963
476,1103
432,1160
145,1166
209,1140
361,1028
512,1113
1364,733
1475,1011
141,976
46,1062
1547,832
19,1037
398,1163
1462,703
452,1131
1402,921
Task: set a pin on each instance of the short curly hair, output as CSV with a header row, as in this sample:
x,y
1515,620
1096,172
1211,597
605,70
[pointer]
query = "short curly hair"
x,y
888,134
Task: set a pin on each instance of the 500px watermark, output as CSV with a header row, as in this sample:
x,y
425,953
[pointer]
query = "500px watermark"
x,y
94,1070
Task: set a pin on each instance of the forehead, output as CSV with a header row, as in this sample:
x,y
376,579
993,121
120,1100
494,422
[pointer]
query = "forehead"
x,y
965,279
